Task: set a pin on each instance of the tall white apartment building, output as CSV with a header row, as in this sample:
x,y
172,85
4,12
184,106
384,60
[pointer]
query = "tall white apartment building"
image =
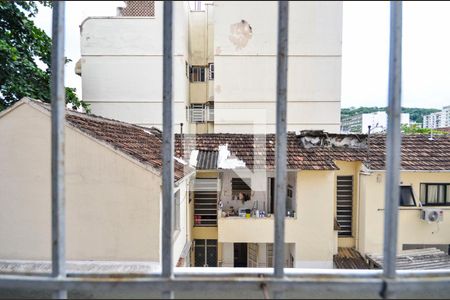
x,y
224,65
438,119
376,120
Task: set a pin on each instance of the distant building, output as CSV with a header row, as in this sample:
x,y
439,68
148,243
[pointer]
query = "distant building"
x,y
224,65
438,119
377,122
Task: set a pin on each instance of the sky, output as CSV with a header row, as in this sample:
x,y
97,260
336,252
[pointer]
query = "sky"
x,y
365,49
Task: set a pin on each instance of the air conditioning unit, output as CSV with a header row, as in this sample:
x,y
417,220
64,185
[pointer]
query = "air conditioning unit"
x,y
432,215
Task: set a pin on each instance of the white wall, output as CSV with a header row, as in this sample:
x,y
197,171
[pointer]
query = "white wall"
x,y
245,79
122,66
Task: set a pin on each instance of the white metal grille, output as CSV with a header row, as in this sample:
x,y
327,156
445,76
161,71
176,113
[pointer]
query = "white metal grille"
x,y
197,113
344,198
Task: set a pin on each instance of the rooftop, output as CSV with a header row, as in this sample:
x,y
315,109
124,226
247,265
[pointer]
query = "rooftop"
x,y
309,150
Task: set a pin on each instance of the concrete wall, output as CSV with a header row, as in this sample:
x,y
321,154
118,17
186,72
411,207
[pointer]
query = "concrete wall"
x,y
311,231
245,61
112,203
412,230
121,62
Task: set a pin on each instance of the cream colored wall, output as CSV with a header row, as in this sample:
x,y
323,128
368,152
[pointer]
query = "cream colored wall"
x,y
182,236
112,204
198,92
121,59
311,231
412,230
245,78
198,51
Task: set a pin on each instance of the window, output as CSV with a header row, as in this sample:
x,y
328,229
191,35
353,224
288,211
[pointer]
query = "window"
x,y
197,113
435,194
344,205
205,202
290,201
198,74
269,255
187,69
240,189
407,196
211,71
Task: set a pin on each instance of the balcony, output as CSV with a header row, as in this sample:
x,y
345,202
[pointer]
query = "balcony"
x,y
251,230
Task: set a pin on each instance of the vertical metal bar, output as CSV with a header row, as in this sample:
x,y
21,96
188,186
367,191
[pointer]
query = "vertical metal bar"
x,y
393,142
168,148
281,137
58,116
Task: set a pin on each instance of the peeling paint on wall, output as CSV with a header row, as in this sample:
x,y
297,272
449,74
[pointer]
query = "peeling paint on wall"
x,y
240,34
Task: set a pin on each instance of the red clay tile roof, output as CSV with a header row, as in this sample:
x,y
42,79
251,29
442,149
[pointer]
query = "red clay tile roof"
x,y
418,152
257,151
142,144
310,150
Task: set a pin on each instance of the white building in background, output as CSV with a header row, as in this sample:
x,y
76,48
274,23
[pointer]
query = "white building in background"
x,y
224,65
376,120
438,119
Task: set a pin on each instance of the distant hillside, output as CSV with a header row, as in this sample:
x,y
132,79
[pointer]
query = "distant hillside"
x,y
415,114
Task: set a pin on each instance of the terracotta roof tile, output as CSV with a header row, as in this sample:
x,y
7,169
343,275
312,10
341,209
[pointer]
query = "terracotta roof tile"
x,y
310,150
142,144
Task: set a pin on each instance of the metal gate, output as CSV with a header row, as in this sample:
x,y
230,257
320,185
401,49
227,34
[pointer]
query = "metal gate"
x,y
205,253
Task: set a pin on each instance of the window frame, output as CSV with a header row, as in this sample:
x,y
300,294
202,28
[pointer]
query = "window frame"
x,y
197,74
211,71
425,185
412,194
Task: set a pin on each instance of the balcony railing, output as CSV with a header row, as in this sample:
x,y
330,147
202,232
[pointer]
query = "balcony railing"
x,y
200,114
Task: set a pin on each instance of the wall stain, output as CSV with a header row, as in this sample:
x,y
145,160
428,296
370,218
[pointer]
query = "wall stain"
x,y
240,34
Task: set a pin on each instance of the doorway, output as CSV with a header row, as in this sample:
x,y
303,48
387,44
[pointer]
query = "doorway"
x,y
270,207
240,255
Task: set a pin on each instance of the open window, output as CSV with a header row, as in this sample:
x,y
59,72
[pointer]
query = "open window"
x,y
240,189
407,196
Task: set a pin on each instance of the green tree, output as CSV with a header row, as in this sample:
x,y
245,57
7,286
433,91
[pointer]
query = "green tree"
x,y
22,45
414,129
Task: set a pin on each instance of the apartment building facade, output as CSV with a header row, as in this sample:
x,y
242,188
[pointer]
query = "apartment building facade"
x,y
224,194
439,119
376,120
224,66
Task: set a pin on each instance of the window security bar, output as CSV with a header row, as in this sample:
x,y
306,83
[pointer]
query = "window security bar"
x,y
303,283
58,117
